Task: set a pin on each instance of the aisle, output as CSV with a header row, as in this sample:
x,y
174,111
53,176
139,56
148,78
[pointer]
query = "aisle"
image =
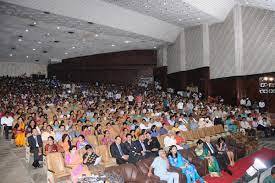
x,y
13,168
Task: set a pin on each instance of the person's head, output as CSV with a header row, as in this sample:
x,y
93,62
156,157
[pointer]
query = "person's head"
x,y
141,137
170,133
177,133
117,139
162,153
207,139
50,140
129,137
173,149
81,138
148,135
176,124
73,149
34,132
132,132
65,137
62,128
273,172
221,140
89,148
154,128
200,143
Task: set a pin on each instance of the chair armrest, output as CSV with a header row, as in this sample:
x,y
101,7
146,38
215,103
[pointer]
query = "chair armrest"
x,y
69,166
51,171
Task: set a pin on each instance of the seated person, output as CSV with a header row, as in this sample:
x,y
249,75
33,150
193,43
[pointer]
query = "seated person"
x,y
170,140
65,143
176,127
89,158
179,139
231,126
50,147
117,151
270,178
161,166
140,148
107,139
163,130
154,132
74,160
222,148
189,170
203,153
152,143
247,127
81,143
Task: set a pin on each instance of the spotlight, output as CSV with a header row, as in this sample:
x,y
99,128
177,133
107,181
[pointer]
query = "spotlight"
x,y
26,30
265,78
271,79
257,165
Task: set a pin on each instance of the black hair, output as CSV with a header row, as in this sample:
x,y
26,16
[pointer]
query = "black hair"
x,y
51,137
88,146
199,142
170,151
273,170
82,136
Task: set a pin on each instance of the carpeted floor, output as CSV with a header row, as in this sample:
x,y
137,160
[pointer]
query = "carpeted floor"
x,y
242,165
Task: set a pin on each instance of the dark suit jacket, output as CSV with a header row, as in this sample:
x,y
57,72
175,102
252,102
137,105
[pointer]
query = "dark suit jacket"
x,y
127,147
153,144
32,142
137,146
114,150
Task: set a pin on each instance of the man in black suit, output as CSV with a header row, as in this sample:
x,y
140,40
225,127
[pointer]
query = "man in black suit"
x,y
140,148
117,151
152,144
36,145
221,157
128,148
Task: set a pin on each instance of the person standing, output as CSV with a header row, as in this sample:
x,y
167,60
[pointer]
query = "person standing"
x,y
161,166
7,122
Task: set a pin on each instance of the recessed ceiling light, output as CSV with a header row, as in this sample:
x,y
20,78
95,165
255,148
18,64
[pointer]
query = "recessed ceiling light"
x,y
27,56
39,42
155,47
198,18
96,35
11,55
20,36
26,30
73,47
188,15
113,45
127,41
34,23
164,3
33,49
58,27
180,19
19,40
66,53
246,2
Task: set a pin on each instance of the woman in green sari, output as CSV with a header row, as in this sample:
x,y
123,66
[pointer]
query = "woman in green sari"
x,y
213,166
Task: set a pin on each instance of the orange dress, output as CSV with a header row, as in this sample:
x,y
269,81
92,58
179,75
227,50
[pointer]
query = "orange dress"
x,y
20,139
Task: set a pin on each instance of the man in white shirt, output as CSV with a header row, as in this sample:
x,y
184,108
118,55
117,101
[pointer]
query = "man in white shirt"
x,y
247,127
170,140
180,107
265,126
242,102
130,99
7,122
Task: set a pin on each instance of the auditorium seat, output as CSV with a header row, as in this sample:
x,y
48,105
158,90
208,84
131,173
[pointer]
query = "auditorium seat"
x,y
56,167
91,139
106,159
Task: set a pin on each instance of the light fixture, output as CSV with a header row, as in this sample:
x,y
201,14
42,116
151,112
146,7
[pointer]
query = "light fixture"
x,y
155,47
58,27
257,165
19,40
127,41
265,78
113,45
11,55
198,18
164,3
180,19
39,42
26,30
27,56
96,35
33,49
34,23
66,53
271,79
73,47
48,34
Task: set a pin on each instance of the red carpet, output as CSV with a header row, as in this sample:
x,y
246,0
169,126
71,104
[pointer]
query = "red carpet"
x,y
241,166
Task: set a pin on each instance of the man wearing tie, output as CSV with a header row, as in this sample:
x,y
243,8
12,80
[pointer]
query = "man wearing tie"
x,y
117,151
221,157
140,148
36,144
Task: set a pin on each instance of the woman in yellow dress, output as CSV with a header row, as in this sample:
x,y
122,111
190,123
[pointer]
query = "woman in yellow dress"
x,y
20,139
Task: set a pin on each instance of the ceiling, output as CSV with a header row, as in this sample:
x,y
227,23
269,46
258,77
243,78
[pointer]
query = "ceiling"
x,y
53,36
32,32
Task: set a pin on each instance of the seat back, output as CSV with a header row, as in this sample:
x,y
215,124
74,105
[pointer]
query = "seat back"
x,y
92,140
99,139
220,128
207,131
161,140
196,134
55,162
103,151
189,135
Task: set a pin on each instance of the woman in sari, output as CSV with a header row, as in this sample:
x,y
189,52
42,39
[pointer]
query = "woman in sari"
x,y
74,160
189,170
213,166
20,138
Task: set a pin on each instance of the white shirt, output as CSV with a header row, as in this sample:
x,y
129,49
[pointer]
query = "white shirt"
x,y
130,98
182,127
264,123
245,125
180,105
261,104
118,96
143,126
242,102
7,120
169,141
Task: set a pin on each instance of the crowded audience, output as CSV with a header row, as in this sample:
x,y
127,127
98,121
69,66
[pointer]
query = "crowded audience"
x,y
50,116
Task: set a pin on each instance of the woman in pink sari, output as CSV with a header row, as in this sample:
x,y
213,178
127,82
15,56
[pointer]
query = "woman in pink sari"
x,y
73,159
